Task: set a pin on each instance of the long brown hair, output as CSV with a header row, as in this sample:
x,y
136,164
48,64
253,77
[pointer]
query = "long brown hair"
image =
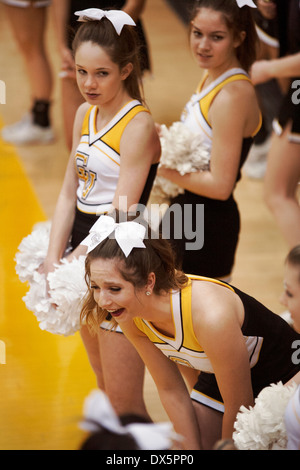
x,y
122,49
157,257
237,20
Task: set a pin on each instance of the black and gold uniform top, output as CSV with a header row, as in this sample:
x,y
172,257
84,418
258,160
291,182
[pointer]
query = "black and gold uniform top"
x,y
98,159
262,331
195,113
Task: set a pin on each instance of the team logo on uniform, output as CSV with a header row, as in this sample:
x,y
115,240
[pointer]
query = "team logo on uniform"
x,y
89,177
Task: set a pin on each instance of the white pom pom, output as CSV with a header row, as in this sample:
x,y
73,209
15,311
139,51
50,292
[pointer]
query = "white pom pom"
x,y
262,427
182,150
57,311
32,251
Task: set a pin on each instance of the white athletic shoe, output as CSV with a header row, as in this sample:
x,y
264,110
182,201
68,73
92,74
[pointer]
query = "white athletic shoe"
x,y
26,132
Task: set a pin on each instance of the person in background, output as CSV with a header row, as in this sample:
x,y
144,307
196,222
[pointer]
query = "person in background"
x,y
283,162
292,421
291,294
270,93
273,423
28,21
224,110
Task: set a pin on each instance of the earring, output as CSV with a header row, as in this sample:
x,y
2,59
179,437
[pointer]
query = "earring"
x,y
148,292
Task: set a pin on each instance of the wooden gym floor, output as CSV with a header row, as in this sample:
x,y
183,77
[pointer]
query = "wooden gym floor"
x,y
45,378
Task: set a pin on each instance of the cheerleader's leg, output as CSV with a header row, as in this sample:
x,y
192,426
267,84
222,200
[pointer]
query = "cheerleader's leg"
x,y
91,344
210,425
281,185
123,373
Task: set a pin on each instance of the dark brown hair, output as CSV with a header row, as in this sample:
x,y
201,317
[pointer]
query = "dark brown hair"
x,y
237,20
157,257
122,49
293,257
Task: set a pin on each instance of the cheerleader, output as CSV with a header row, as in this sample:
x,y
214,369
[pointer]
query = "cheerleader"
x,y
291,295
199,324
114,140
292,421
274,422
224,110
67,25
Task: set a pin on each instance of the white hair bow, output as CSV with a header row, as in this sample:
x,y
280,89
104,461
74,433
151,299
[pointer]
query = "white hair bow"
x,y
117,17
128,235
249,3
148,436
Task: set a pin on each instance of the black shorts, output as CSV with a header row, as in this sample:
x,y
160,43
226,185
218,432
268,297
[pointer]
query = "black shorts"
x,y
82,225
206,390
219,228
271,360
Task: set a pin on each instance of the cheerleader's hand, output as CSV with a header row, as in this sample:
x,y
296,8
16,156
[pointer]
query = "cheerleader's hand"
x,y
168,173
46,267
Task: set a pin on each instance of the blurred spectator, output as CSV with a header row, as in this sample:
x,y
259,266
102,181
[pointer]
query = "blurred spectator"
x,y
28,23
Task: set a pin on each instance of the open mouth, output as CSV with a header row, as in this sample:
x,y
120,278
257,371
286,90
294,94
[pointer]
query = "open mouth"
x,y
116,313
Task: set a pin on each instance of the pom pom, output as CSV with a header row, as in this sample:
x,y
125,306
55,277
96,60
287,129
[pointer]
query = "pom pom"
x,y
32,251
57,311
262,426
181,150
